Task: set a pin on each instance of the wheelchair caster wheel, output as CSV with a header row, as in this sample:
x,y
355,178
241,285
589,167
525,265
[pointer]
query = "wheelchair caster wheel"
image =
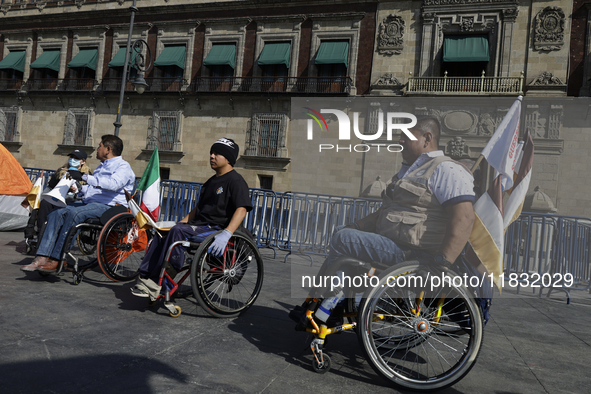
x,y
177,313
323,366
77,278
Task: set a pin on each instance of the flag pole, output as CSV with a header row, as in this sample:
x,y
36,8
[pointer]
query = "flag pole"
x,y
475,166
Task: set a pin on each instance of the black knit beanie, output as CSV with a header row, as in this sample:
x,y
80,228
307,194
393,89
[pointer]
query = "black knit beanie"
x,y
227,148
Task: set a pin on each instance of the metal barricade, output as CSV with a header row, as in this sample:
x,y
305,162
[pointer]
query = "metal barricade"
x,y
551,252
313,217
33,174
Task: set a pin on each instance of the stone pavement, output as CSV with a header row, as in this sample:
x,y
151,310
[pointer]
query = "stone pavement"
x,y
96,337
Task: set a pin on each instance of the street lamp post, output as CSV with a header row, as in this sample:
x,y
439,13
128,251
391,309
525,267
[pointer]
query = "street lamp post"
x,y
137,62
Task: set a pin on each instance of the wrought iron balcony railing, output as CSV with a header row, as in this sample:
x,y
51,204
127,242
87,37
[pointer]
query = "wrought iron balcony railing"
x,y
466,85
275,85
11,84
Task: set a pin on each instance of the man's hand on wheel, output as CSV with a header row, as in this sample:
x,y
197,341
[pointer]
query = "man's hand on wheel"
x,y
219,243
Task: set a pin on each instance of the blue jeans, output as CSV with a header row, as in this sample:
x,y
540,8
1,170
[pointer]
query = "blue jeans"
x,y
59,223
364,246
156,254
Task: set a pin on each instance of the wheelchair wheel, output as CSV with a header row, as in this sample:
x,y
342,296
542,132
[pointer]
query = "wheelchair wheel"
x,y
417,342
121,247
87,239
228,285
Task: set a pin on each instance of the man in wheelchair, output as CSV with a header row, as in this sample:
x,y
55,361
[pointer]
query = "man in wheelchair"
x,y
223,204
75,167
428,207
105,188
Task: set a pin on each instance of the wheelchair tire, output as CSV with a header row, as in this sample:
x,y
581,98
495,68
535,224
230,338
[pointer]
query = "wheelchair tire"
x,y
87,240
121,247
228,285
424,347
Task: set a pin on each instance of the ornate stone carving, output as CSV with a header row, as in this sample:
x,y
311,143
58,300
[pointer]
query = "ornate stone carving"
x,y
41,4
510,14
549,29
544,121
486,124
390,36
546,78
467,24
457,148
387,80
428,17
4,8
79,3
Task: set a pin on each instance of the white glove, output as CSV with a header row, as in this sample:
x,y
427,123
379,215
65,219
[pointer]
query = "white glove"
x,y
219,243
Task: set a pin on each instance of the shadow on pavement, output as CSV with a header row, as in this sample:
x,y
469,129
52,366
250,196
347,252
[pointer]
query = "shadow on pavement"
x,y
89,374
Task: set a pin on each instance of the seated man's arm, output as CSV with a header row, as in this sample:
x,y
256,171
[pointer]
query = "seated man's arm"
x,y
113,180
458,230
237,219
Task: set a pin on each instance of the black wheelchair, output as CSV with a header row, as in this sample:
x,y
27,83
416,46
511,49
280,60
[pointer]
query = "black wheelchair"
x,y
417,337
224,286
114,242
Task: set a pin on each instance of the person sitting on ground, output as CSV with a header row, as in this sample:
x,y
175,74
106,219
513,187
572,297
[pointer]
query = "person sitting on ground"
x,y
223,205
105,189
428,206
76,167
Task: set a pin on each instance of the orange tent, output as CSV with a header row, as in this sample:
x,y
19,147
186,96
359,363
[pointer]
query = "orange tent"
x,y
13,179
14,185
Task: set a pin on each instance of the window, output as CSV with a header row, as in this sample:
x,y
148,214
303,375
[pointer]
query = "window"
x,y
171,63
332,60
11,70
274,62
166,130
267,135
8,124
164,173
465,56
266,182
78,127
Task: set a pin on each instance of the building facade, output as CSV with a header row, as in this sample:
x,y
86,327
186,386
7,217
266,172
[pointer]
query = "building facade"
x,y
232,68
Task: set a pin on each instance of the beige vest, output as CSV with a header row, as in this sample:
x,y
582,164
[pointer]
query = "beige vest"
x,y
412,217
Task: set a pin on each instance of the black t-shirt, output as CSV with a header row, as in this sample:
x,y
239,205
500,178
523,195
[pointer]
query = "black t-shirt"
x,y
219,198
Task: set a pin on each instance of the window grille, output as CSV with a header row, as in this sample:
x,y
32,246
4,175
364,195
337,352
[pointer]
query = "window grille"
x,y
166,131
78,127
267,135
8,124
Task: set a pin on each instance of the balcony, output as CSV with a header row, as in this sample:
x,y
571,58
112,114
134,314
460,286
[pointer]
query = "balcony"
x,y
165,84
114,85
79,84
312,85
11,84
487,86
70,84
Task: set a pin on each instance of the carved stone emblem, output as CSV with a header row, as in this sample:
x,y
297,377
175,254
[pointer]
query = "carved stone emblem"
x,y
456,148
546,78
390,36
387,80
549,29
467,24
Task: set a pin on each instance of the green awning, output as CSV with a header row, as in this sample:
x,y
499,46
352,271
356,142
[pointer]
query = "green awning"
x,y
333,52
14,61
275,53
85,58
465,49
221,55
119,59
48,59
172,56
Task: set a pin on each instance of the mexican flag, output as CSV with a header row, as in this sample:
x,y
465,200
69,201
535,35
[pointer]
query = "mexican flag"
x,y
150,185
